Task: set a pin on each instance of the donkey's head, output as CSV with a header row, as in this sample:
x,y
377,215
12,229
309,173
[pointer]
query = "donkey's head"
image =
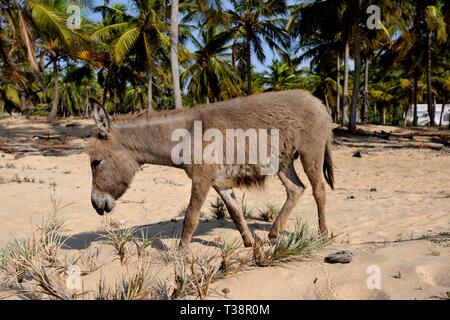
x,y
112,163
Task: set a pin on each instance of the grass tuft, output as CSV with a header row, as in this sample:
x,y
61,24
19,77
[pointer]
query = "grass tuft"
x,y
218,209
300,241
119,240
269,213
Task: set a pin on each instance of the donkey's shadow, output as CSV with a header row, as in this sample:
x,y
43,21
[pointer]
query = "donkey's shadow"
x,y
169,229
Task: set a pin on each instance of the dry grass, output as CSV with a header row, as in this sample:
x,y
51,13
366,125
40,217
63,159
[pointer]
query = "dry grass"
x,y
218,209
234,257
246,211
142,242
119,240
37,267
135,286
269,213
193,274
301,240
17,179
32,266
88,260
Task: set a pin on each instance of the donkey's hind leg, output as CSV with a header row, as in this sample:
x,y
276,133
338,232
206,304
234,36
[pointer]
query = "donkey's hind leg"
x,y
313,167
235,211
294,189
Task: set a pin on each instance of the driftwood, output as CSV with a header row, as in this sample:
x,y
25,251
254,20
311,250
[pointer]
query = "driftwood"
x,y
49,137
411,134
426,139
415,145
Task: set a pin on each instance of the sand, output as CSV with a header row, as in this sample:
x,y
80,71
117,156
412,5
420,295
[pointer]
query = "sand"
x,y
387,209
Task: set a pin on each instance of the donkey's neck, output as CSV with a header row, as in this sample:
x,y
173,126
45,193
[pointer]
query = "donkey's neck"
x,y
149,138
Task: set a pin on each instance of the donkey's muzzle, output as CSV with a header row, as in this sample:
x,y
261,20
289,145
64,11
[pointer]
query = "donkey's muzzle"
x,y
102,202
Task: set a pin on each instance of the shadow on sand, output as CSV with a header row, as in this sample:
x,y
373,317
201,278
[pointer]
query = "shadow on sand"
x,y
169,229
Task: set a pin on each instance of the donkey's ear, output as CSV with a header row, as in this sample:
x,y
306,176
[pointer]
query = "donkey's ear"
x,y
100,117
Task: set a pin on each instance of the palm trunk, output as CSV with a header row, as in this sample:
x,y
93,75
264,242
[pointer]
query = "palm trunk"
x,y
327,104
248,58
416,93
55,101
383,114
338,80
345,94
174,54
431,109
149,91
442,111
357,58
365,102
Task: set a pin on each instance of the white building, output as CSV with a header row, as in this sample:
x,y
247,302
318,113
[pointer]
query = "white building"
x,y
424,119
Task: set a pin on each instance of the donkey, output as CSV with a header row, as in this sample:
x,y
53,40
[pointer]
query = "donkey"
x,y
124,143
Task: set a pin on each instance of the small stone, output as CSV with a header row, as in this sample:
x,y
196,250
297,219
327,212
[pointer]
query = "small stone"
x,y
357,154
339,257
373,189
225,291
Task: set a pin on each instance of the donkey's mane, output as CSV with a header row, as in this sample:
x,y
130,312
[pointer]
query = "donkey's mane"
x,y
153,115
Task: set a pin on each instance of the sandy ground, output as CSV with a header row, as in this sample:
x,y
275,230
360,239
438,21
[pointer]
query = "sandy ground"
x,y
387,209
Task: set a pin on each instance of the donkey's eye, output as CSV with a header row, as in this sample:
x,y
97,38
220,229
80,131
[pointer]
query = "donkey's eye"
x,y
95,163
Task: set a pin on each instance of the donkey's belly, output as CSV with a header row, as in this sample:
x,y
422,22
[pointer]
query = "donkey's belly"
x,y
240,176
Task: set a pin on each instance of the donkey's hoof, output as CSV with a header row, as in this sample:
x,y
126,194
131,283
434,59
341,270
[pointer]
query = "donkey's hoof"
x,y
248,243
272,240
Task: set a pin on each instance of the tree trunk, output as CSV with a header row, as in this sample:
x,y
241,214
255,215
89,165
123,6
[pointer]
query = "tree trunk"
x,y
174,54
345,94
248,58
365,102
327,104
416,93
382,114
442,111
338,80
55,101
149,91
357,58
431,109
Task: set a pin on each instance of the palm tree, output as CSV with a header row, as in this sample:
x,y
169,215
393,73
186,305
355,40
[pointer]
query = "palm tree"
x,y
210,75
280,76
323,29
174,54
250,23
436,26
43,24
144,35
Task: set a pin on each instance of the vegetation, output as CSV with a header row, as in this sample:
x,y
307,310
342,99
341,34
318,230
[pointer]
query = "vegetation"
x,y
156,54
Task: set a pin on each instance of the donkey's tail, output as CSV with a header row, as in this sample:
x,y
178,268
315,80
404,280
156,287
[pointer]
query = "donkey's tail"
x,y
328,171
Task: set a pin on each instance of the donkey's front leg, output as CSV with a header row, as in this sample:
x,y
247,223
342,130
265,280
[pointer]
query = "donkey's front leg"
x,y
199,192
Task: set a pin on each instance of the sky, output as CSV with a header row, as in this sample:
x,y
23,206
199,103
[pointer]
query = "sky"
x,y
259,67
